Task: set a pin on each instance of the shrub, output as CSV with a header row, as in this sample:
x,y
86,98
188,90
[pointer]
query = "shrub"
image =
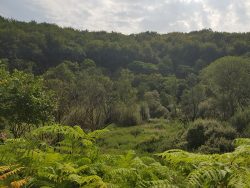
x,y
241,120
156,109
126,115
79,115
144,111
209,136
195,137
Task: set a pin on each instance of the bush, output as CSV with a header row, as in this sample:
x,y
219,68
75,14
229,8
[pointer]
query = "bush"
x,y
79,115
241,121
195,137
144,111
217,145
156,109
210,136
126,115
160,111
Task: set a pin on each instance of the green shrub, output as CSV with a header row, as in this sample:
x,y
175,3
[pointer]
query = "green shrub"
x,y
241,121
195,137
144,111
209,136
156,109
126,115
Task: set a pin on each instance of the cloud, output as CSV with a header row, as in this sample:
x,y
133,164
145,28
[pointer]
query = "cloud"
x,y
133,16
22,10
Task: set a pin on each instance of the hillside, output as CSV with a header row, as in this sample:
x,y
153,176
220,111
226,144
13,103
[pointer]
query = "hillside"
x,y
98,109
46,45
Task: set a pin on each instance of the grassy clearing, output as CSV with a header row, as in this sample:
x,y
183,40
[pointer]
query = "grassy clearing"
x,y
155,136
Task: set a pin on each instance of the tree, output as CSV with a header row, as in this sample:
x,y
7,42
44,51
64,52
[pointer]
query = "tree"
x,y
24,101
228,81
155,107
173,91
241,122
83,92
166,66
61,79
142,67
190,101
91,107
126,110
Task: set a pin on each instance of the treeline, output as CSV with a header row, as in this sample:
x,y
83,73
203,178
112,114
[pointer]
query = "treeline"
x,y
37,47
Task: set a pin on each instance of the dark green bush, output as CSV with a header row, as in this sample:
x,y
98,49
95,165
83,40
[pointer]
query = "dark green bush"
x,y
209,136
195,137
241,121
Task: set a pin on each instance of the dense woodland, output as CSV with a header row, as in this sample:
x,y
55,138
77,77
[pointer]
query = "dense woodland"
x,y
98,109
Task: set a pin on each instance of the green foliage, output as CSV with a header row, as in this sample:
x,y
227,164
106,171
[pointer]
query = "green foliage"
x,y
191,100
62,156
141,67
84,95
101,78
227,80
126,115
48,154
241,122
24,101
144,111
226,170
155,107
209,136
153,136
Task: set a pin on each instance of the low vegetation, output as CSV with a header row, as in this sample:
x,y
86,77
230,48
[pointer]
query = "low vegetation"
x,y
63,156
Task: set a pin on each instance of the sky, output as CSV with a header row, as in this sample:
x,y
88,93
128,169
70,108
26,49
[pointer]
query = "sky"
x,y
134,16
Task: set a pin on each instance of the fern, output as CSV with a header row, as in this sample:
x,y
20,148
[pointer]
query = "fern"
x,y
19,183
88,181
62,156
10,172
155,184
241,141
212,175
229,169
3,169
131,171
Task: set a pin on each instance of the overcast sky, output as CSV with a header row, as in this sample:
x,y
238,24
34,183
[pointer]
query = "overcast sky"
x,y
133,16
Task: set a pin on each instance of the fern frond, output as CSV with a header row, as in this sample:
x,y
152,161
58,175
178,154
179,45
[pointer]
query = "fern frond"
x,y
87,180
240,178
19,183
137,163
123,172
155,184
241,141
212,174
9,173
4,169
98,133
